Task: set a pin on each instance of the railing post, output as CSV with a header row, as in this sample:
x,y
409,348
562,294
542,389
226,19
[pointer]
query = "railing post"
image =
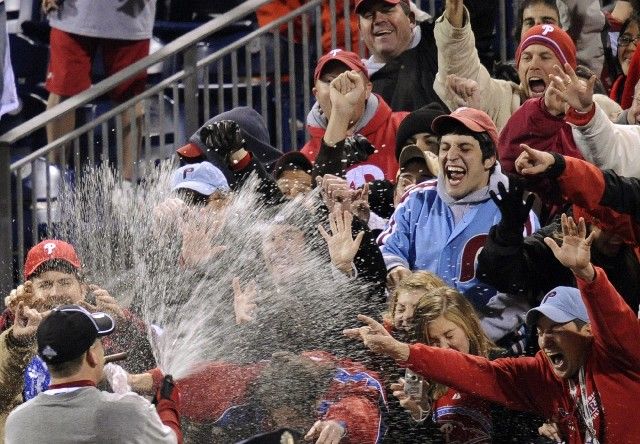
x,y
190,91
6,256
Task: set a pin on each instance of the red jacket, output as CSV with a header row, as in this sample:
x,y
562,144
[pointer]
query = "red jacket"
x,y
584,184
380,131
528,383
353,396
534,125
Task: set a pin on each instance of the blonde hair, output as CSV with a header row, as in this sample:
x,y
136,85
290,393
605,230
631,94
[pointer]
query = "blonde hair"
x,y
453,306
424,281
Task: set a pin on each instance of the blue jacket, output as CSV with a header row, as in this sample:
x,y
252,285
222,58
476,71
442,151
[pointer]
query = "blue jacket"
x,y
422,235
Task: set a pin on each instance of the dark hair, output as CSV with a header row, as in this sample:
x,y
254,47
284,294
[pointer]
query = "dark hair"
x,y
292,380
58,265
585,73
524,5
487,146
66,369
634,18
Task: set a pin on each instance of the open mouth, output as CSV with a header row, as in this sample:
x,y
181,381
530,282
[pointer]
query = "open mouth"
x,y
382,33
455,174
537,85
557,359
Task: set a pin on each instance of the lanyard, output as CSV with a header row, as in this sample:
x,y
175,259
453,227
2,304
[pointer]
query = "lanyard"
x,y
582,405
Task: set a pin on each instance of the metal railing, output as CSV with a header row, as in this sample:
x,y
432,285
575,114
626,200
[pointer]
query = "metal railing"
x,y
268,69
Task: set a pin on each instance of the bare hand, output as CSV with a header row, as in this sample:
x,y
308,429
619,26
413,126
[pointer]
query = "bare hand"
x,y
244,301
463,91
334,190
199,237
633,113
360,204
344,92
569,88
342,246
396,275
407,402
24,293
104,303
26,323
575,252
531,161
49,5
375,337
326,432
171,211
550,430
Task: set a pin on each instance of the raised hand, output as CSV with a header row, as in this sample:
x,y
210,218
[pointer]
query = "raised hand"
x,y
335,190
531,161
375,337
567,86
26,323
396,275
24,293
360,204
345,91
244,305
417,408
104,302
223,138
575,252
326,432
551,431
463,91
342,246
514,211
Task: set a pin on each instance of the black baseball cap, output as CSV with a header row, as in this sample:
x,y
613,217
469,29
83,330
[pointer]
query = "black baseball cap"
x,y
69,331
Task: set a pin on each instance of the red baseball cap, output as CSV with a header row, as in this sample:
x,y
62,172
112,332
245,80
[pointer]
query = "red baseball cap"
x,y
473,119
351,59
48,250
360,4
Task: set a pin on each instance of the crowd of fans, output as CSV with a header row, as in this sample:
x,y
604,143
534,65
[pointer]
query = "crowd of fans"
x,y
492,223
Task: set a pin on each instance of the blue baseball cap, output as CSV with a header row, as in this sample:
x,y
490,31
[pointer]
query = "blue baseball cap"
x,y
202,177
562,304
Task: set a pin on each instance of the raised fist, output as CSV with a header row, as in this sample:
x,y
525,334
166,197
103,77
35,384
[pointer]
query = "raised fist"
x,y
223,138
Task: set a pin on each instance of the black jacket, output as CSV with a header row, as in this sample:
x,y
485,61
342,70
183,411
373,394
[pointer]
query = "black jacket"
x,y
406,82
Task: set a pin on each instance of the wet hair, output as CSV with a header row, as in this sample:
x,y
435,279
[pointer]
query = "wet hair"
x,y
424,281
453,306
58,265
293,381
524,5
66,369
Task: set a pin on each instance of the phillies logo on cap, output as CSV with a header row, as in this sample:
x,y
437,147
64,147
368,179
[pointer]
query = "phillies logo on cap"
x,y
187,171
549,296
334,52
49,247
546,29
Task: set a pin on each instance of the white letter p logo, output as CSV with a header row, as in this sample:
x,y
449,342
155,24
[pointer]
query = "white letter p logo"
x,y
546,29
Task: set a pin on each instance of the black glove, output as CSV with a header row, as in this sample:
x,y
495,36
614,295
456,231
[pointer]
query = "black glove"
x,y
357,148
514,212
166,390
223,138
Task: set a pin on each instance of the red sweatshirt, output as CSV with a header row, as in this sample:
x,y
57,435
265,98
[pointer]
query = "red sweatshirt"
x,y
584,184
528,383
353,396
380,131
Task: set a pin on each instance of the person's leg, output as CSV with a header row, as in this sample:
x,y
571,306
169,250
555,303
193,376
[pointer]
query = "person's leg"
x,y
69,73
118,54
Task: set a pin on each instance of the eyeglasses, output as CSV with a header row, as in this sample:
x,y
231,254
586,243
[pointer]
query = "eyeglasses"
x,y
626,40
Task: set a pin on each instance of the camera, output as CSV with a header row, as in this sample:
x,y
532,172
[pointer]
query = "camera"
x,y
413,384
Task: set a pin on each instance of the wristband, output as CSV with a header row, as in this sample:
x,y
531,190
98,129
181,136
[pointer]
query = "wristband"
x,y
580,118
